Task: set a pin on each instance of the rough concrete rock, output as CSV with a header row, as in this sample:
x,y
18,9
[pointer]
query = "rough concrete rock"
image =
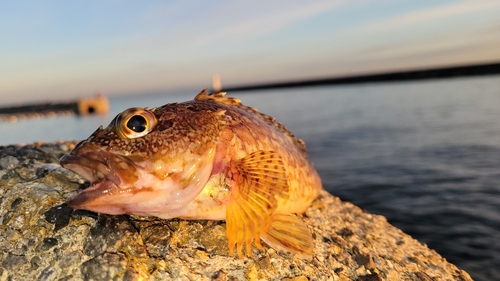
x,y
41,238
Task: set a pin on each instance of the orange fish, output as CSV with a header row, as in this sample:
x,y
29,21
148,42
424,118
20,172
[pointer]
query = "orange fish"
x,y
210,158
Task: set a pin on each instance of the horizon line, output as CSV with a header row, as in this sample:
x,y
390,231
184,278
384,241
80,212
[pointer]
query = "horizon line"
x,y
391,76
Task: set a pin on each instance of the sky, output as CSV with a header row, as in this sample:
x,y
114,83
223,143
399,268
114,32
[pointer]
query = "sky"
x,y
59,50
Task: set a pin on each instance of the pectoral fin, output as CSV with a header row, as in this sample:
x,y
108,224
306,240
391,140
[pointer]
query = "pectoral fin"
x,y
259,178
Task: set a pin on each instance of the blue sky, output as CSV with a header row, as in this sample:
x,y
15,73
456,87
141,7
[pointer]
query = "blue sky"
x,y
67,49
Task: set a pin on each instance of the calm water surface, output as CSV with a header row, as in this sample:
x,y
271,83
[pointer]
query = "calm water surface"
x,y
424,154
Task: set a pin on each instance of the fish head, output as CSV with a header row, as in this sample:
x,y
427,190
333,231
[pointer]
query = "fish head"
x,y
148,162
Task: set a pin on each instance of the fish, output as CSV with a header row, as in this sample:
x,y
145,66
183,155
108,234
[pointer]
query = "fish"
x,y
211,158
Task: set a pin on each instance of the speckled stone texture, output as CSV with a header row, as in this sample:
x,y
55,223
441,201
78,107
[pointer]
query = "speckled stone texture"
x,y
43,239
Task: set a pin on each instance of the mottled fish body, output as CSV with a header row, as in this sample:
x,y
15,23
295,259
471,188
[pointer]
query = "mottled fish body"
x,y
209,158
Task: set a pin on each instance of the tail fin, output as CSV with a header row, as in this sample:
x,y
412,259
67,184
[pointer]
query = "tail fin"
x,y
288,233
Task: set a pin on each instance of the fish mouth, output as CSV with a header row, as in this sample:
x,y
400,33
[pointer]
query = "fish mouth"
x,y
97,166
89,168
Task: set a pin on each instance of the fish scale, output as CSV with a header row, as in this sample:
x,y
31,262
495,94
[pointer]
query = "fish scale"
x,y
209,158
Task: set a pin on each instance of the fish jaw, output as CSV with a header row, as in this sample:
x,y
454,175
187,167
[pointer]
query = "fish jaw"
x,y
162,199
114,191
87,198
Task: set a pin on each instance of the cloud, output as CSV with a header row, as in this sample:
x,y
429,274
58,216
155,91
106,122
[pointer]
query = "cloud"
x,y
269,20
418,17
213,34
457,33
225,20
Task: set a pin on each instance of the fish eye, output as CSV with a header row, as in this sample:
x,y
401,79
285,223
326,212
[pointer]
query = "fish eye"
x,y
137,123
134,123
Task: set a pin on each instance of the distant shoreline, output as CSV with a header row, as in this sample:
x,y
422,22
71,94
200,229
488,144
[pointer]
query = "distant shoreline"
x,y
435,73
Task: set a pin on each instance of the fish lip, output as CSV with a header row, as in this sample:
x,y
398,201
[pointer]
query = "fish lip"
x,y
89,167
85,198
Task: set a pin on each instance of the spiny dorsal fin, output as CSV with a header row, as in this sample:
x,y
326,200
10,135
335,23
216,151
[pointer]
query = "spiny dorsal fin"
x,y
219,97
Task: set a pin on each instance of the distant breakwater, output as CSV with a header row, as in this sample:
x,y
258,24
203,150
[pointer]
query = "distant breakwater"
x,y
435,73
85,106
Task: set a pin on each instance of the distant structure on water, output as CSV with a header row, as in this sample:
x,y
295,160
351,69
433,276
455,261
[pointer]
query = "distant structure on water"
x,y
98,104
216,85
